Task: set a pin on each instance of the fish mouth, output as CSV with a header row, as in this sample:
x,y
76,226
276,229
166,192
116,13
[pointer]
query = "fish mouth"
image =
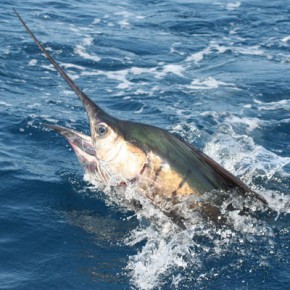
x,y
82,146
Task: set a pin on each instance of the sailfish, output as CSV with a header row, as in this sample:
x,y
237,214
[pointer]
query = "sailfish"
x,y
160,165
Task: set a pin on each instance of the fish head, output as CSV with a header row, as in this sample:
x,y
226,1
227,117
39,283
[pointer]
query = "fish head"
x,y
122,157
106,154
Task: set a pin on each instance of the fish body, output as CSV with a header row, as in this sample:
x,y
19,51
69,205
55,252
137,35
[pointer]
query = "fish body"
x,y
160,165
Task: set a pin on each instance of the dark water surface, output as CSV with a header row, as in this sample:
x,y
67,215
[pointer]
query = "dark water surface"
x,y
215,72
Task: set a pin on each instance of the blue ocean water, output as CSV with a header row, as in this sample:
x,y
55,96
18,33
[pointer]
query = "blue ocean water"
x,y
215,72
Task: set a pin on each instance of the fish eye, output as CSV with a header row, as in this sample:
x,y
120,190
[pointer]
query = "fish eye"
x,y
101,129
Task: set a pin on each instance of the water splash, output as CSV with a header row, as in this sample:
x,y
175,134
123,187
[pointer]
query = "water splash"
x,y
170,256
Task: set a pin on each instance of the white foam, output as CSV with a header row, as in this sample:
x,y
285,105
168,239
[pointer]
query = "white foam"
x,y
122,75
70,65
174,50
286,39
278,201
119,76
96,21
124,13
170,69
140,110
168,250
156,257
32,62
208,84
6,50
47,67
140,70
250,123
251,50
270,106
80,49
5,104
140,92
215,47
233,6
161,71
124,24
88,40
241,156
198,56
